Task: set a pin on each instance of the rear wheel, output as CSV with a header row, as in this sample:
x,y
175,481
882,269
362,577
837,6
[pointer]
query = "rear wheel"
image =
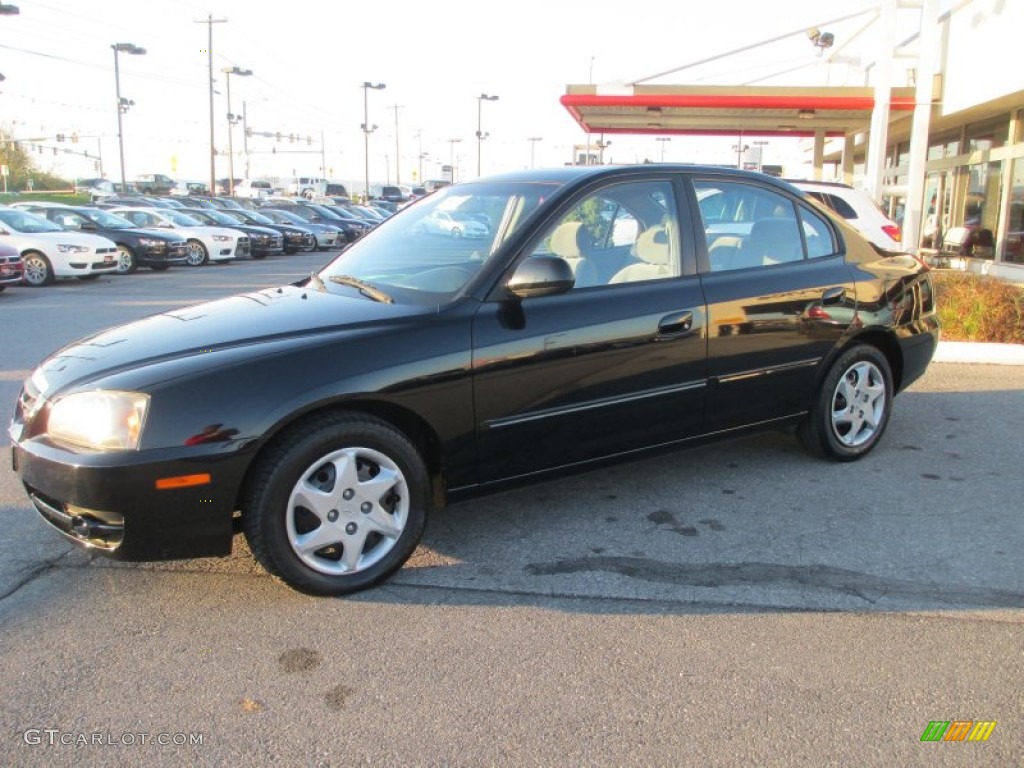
x,y
337,505
197,254
37,269
851,410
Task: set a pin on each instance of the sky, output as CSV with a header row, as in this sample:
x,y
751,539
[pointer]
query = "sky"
x,y
435,58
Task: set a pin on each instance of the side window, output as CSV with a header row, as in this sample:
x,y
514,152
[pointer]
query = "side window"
x,y
626,233
746,225
817,234
841,207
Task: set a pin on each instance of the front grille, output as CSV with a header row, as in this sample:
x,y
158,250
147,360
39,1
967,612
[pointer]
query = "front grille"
x,y
243,246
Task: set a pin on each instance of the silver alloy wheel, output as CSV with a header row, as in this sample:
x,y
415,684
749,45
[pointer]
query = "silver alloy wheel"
x,y
37,271
347,511
125,260
196,254
858,404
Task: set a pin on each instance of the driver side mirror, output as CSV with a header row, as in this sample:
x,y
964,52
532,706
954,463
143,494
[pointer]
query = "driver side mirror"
x,y
541,276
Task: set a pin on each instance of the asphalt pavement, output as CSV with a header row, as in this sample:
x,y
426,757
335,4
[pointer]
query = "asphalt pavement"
x,y
737,604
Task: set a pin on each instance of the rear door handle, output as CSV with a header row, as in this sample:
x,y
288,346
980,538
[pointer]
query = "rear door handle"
x,y
676,324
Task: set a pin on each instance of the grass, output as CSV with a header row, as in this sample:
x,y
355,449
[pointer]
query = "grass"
x,y
979,308
67,198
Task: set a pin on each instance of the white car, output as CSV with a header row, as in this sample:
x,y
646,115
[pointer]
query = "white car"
x,y
49,252
254,188
858,209
455,224
205,243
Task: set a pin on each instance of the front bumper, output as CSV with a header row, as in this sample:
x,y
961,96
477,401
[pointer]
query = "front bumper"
x,y
109,502
174,254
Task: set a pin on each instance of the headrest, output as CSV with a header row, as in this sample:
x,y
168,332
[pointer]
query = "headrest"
x,y
568,240
652,246
774,230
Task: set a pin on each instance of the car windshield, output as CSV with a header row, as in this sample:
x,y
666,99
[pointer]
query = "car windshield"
x,y
217,217
412,259
251,217
23,221
182,219
285,217
107,220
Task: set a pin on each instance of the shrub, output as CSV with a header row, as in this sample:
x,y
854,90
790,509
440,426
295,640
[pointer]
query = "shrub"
x,y
979,308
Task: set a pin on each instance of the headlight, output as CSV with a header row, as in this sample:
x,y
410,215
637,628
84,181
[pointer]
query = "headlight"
x,y
223,238
68,248
103,421
150,243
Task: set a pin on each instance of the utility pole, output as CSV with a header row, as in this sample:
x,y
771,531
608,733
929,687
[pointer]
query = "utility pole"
x,y
209,21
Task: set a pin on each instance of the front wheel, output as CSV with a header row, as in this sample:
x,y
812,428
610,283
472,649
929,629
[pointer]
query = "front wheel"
x,y
337,505
126,263
197,254
852,408
38,271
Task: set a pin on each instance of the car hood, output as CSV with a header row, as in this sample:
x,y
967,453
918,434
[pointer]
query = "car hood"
x,y
64,238
155,234
238,326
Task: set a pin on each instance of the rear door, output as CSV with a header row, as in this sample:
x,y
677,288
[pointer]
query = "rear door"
x,y
779,295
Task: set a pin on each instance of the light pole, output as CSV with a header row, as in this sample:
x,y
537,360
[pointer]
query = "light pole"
x,y
398,176
122,104
451,157
232,119
367,130
663,140
533,145
480,135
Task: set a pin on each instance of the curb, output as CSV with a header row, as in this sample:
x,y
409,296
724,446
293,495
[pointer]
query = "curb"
x,y
979,352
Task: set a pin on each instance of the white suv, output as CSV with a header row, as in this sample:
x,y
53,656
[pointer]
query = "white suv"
x,y
857,208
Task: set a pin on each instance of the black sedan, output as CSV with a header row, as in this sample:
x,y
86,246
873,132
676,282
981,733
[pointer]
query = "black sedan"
x,y
263,241
296,238
136,246
610,311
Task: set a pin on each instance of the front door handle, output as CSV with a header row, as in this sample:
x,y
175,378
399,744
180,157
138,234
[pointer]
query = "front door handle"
x,y
676,324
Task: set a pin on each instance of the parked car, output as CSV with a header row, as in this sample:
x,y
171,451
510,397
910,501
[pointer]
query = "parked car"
x,y
263,241
12,270
285,218
296,238
336,414
97,189
48,252
329,234
859,210
206,244
136,246
154,184
254,188
453,224
391,193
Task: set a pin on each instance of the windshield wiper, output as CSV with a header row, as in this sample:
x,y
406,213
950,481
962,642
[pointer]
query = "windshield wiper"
x,y
365,288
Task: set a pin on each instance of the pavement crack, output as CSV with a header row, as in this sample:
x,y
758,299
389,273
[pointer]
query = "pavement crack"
x,y
40,570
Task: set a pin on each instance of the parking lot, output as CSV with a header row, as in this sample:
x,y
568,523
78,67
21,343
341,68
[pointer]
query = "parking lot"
x,y
739,604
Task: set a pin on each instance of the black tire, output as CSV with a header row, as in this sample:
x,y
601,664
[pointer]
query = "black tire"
x,y
38,271
126,261
851,409
384,531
